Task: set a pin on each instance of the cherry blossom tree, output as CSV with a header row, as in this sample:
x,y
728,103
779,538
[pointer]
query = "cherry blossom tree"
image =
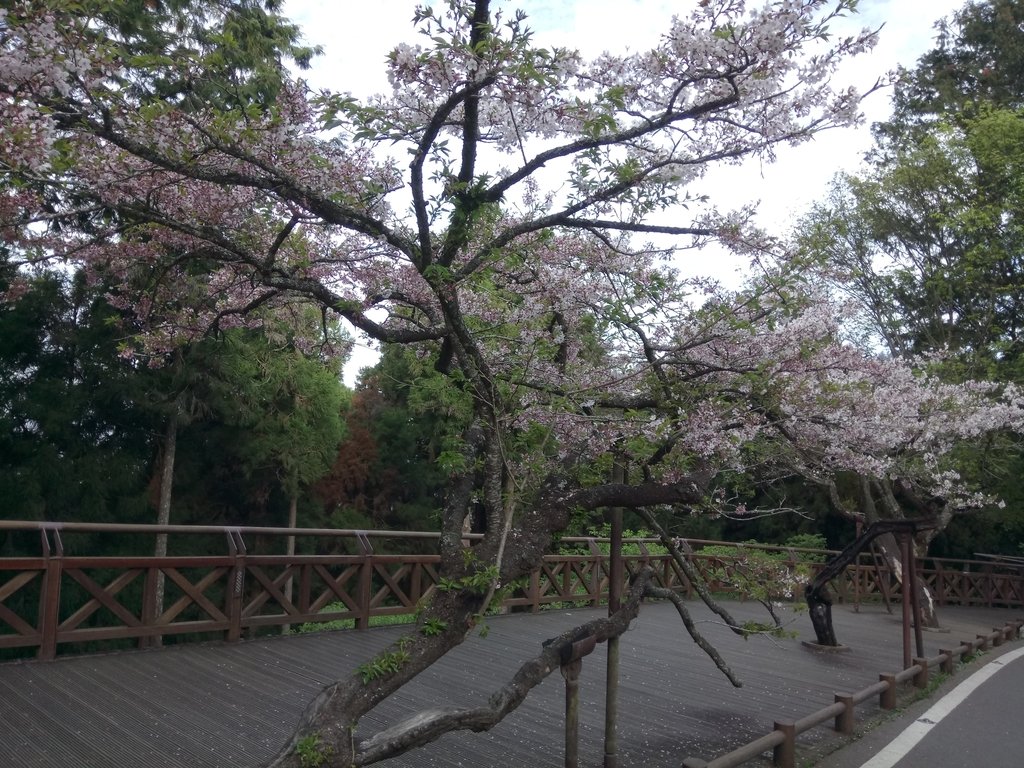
x,y
511,213
926,238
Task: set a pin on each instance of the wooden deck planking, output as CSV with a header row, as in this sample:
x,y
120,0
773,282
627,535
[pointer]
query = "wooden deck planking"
x,y
208,706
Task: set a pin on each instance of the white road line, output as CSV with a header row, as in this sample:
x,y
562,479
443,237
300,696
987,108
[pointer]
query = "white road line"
x,y
902,744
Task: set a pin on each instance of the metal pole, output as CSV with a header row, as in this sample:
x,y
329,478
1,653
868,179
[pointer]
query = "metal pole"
x,y
615,572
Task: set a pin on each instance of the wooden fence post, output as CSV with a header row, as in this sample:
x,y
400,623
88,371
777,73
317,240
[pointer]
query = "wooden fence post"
x,y
921,678
365,581
784,754
965,655
571,673
235,588
946,665
887,698
149,615
49,596
598,562
844,720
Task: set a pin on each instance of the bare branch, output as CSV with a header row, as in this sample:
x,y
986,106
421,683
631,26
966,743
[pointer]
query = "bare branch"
x,y
698,638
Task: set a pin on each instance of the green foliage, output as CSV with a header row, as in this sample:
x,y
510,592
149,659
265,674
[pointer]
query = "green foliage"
x,y
284,408
81,427
387,663
76,435
312,754
749,628
808,541
433,626
977,62
478,582
629,548
929,237
240,48
403,439
392,620
759,574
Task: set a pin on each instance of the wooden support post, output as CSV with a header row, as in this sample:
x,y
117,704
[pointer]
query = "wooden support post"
x,y
845,720
915,598
597,571
611,697
905,599
365,581
534,594
856,573
784,754
997,637
968,646
946,665
887,698
305,586
983,644
921,678
149,617
571,673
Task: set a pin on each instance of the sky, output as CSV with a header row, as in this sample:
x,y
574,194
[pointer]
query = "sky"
x,y
356,38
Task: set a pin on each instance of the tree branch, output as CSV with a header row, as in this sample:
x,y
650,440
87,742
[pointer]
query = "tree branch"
x,y
424,727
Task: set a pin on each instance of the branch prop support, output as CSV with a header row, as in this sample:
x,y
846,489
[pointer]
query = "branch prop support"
x,y
571,656
819,599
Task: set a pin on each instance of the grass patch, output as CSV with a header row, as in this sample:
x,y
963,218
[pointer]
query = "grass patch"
x,y
375,621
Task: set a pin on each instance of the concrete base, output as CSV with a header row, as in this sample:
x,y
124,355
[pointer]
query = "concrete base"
x,y
825,648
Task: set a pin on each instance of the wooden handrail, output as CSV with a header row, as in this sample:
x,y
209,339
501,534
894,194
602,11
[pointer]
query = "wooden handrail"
x,y
56,597
782,737
28,525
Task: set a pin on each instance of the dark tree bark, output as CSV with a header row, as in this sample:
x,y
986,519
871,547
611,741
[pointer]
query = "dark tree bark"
x,y
819,605
885,500
819,599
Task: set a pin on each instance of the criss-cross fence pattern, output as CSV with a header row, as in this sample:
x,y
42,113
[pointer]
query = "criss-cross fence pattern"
x,y
66,596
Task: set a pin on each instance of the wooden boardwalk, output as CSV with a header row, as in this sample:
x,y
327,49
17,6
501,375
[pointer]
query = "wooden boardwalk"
x,y
230,706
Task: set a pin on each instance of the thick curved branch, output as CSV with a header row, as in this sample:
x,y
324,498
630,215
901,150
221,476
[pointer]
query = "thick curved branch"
x,y
424,727
430,134
280,240
688,491
278,280
471,110
625,226
274,183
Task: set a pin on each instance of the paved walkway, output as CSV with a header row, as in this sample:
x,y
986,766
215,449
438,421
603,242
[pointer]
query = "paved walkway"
x,y
230,706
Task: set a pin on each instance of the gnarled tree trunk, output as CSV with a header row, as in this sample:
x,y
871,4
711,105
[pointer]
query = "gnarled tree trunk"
x,y
880,500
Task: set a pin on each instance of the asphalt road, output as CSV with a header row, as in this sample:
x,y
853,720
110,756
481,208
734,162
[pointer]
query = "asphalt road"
x,y
973,720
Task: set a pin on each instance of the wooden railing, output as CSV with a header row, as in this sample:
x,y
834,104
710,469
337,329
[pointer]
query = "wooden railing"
x,y
64,597
781,740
